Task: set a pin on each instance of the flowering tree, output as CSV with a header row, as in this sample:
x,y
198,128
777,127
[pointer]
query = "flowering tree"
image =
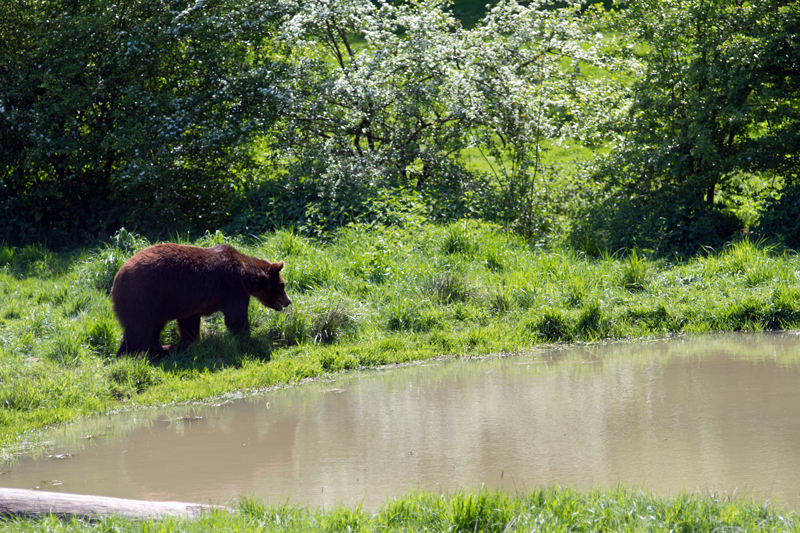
x,y
385,94
155,113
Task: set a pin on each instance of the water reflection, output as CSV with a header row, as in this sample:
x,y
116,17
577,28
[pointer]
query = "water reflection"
x,y
716,413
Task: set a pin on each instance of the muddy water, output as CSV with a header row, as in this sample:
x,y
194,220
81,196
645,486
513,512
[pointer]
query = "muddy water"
x,y
707,414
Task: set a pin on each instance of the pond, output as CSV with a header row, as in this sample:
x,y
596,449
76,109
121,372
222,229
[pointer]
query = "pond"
x,y
706,414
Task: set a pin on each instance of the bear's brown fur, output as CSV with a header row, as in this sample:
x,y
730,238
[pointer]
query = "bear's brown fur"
x,y
176,282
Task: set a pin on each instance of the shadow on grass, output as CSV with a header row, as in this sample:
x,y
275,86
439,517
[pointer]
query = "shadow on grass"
x,y
218,352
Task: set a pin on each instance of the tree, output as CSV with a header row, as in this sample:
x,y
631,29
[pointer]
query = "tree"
x,y
386,94
719,97
152,113
134,112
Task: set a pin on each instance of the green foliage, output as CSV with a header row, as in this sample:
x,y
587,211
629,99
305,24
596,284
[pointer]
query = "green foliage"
x,y
665,222
781,217
315,272
134,113
500,302
6,256
67,348
331,324
448,287
459,239
541,509
411,315
99,270
319,324
33,260
302,204
656,319
554,325
103,334
383,99
258,115
714,112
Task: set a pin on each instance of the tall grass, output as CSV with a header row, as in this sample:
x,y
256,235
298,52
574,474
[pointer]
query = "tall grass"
x,y
547,509
367,296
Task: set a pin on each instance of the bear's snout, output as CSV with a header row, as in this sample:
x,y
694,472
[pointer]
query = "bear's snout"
x,y
277,304
285,302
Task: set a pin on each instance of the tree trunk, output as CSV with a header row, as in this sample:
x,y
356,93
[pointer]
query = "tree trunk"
x,y
710,195
35,502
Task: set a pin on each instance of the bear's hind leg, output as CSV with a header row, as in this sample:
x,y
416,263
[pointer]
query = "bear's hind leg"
x,y
156,349
189,330
138,338
123,348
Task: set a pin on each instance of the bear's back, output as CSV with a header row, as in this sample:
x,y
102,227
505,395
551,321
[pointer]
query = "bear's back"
x,y
169,256
172,280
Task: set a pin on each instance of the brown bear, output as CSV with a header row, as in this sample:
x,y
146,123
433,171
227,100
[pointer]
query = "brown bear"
x,y
176,282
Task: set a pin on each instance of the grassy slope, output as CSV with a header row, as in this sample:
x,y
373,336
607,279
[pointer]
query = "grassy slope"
x,y
545,510
369,297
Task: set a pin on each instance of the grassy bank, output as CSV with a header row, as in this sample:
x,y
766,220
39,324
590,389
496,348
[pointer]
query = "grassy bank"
x,y
370,296
544,510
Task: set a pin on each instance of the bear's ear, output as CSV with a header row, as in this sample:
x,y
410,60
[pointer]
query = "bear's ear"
x,y
278,266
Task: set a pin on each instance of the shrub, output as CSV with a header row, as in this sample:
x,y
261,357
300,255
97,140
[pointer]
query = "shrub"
x,y
663,223
781,217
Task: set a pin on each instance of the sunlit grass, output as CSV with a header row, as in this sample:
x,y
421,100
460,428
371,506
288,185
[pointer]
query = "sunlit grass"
x,y
365,297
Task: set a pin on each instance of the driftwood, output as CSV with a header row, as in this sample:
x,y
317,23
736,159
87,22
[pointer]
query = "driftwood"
x,y
36,502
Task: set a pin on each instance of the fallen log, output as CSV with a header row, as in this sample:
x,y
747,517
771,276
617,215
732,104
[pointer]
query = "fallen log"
x,y
37,502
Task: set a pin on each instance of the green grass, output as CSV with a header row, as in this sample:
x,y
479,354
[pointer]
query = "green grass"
x,y
367,297
548,509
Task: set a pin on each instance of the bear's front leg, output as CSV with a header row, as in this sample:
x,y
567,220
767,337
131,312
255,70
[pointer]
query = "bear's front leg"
x,y
236,319
189,330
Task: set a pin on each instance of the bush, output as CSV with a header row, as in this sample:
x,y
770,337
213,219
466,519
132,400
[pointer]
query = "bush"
x,y
99,131
780,219
664,223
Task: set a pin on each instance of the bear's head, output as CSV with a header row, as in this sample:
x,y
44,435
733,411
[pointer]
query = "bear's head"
x,y
270,288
